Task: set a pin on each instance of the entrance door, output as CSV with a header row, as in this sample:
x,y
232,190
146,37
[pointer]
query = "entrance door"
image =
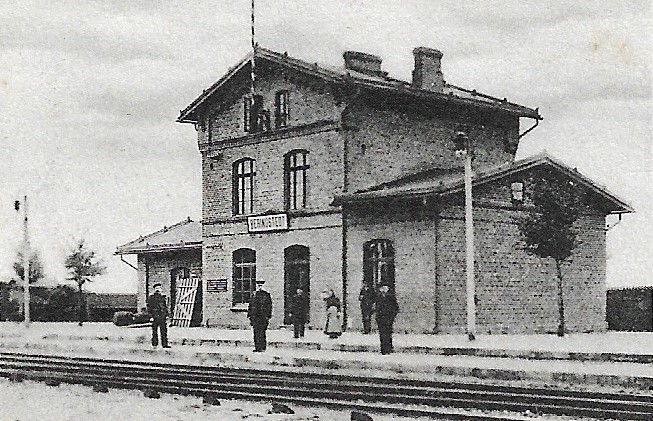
x,y
296,275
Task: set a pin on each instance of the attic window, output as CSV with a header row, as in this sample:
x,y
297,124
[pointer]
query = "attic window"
x,y
255,118
281,109
517,189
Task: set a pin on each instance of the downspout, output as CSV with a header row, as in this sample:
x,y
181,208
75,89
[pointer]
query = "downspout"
x,y
122,259
609,227
345,187
345,182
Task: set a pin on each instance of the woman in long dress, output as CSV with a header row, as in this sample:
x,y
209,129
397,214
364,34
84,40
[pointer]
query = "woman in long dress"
x,y
333,327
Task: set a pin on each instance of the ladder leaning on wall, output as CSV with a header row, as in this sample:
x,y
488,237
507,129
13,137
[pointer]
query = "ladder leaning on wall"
x,y
185,303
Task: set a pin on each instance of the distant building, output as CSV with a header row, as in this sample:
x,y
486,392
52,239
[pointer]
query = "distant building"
x,y
100,307
331,178
630,309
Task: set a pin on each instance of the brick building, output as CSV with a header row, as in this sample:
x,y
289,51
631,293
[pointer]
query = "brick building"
x,y
327,178
168,256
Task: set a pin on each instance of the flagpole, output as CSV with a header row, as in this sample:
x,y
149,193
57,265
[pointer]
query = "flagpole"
x,y
253,66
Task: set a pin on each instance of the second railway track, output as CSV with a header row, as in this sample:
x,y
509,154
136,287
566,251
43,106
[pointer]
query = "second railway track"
x,y
399,396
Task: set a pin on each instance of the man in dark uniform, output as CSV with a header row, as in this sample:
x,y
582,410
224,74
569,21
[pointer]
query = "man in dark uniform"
x,y
367,299
386,311
259,313
157,306
299,310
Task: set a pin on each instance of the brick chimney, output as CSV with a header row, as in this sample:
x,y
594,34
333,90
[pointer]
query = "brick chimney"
x,y
363,63
427,74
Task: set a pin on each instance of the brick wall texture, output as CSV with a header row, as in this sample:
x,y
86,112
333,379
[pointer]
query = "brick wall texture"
x,y
356,141
156,268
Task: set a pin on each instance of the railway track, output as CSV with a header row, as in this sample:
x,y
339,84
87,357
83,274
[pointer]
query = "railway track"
x,y
397,396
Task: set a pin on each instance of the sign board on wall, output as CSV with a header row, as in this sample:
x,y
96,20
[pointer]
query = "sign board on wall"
x,y
216,285
277,222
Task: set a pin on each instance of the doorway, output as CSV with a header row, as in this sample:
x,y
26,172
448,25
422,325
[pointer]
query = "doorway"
x,y
296,275
176,276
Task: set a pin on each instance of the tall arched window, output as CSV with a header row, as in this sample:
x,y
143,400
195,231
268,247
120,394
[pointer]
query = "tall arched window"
x,y
244,275
295,174
379,263
244,175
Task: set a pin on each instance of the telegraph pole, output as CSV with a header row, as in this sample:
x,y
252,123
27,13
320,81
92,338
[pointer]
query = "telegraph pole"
x,y
26,295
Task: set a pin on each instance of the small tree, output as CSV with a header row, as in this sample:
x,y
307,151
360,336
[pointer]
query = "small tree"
x,y
82,266
548,230
35,267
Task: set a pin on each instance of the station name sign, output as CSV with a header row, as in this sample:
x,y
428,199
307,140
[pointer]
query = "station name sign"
x,y
277,222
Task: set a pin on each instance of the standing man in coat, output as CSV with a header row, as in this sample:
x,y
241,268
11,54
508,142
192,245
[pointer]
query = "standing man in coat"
x,y
259,313
157,306
299,312
367,299
386,311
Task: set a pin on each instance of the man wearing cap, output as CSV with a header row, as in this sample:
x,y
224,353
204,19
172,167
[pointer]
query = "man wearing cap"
x,y
386,311
259,312
157,306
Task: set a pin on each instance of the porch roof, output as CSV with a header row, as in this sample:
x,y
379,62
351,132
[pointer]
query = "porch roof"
x,y
446,182
186,234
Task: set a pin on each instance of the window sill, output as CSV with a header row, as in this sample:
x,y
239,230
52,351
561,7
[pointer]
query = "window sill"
x,y
239,308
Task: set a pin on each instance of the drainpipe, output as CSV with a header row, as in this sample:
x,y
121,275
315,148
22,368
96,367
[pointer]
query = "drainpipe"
x,y
537,121
609,227
122,259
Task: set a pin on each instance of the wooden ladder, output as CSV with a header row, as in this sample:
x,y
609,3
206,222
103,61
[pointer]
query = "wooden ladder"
x,y
186,292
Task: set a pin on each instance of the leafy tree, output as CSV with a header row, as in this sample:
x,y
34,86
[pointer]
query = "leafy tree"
x,y
548,230
83,265
35,267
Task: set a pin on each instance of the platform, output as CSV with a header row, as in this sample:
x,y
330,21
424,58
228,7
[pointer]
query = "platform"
x,y
613,360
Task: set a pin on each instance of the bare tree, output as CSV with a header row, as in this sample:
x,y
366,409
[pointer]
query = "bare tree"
x,y
83,265
548,230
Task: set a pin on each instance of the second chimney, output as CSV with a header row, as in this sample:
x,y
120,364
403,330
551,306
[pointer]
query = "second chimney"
x,y
368,64
427,74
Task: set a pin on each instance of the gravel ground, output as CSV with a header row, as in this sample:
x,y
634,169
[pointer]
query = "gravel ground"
x,y
28,401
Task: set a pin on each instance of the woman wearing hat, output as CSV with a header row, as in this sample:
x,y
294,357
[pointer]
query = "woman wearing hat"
x,y
333,327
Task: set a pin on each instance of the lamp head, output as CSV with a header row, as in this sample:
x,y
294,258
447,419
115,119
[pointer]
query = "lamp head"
x,y
461,142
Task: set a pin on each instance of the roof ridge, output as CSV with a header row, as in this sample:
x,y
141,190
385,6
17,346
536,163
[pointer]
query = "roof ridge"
x,y
379,82
165,228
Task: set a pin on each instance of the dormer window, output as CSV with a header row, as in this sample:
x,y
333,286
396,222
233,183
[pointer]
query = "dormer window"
x,y
281,109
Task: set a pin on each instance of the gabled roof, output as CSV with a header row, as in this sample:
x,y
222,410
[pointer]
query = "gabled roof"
x,y
344,76
442,183
186,234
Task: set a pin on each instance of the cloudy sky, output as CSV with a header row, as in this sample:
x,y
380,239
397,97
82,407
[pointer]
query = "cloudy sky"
x,y
89,93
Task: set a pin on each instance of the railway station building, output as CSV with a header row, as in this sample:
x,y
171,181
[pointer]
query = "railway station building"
x,y
330,177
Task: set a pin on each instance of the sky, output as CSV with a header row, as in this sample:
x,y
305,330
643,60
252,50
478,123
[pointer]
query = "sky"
x,y
90,90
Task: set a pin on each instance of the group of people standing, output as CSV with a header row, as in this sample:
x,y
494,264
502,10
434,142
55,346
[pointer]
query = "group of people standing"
x,y
382,303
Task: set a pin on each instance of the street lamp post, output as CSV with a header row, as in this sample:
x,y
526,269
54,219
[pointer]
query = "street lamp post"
x,y
464,148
